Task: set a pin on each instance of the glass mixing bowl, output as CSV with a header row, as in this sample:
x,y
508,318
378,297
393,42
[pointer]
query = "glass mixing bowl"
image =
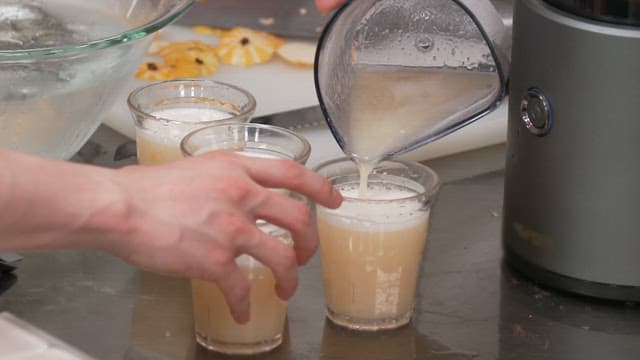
x,y
64,63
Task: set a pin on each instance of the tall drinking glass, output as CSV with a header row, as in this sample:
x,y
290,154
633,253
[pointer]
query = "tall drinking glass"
x,y
214,327
371,247
165,112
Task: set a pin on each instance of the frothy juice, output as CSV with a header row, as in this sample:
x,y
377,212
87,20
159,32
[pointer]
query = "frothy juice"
x,y
371,251
159,143
216,329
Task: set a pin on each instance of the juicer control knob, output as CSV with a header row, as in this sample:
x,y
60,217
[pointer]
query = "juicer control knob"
x,y
535,111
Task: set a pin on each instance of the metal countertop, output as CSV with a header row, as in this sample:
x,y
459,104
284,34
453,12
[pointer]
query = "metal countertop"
x,y
469,305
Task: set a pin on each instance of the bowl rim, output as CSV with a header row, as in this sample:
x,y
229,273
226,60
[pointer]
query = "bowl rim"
x,y
124,37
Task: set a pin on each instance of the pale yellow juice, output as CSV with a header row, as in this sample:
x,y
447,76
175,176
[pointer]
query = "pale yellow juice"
x,y
371,254
214,324
154,151
389,106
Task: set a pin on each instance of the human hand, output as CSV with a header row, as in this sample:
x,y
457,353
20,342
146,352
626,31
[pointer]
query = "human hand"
x,y
193,217
325,6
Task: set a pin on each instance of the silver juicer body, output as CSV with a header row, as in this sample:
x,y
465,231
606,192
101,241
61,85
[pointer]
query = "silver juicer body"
x,y
572,181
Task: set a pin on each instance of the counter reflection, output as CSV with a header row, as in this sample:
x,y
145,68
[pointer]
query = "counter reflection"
x,y
162,324
539,323
398,344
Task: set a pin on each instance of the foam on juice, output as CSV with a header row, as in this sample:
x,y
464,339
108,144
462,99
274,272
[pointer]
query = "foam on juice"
x,y
192,114
159,142
381,209
256,153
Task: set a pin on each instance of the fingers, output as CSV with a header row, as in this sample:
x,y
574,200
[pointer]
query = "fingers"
x,y
281,210
235,287
325,6
276,255
293,215
293,176
212,260
230,219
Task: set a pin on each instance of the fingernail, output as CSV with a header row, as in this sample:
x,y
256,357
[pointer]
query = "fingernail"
x,y
300,259
282,293
336,194
243,314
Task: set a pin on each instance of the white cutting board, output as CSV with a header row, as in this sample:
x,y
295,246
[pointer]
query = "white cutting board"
x,y
278,86
489,130
21,340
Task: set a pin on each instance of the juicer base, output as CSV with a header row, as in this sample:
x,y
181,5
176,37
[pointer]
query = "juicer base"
x,y
565,283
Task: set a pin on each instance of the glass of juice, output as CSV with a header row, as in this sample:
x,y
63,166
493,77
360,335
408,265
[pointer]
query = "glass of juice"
x,y
215,329
165,112
371,246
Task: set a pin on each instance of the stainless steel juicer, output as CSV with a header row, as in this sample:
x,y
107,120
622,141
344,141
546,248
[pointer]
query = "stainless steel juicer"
x,y
571,200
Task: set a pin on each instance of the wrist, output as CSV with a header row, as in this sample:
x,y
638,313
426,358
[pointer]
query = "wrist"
x,y
109,222
51,204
